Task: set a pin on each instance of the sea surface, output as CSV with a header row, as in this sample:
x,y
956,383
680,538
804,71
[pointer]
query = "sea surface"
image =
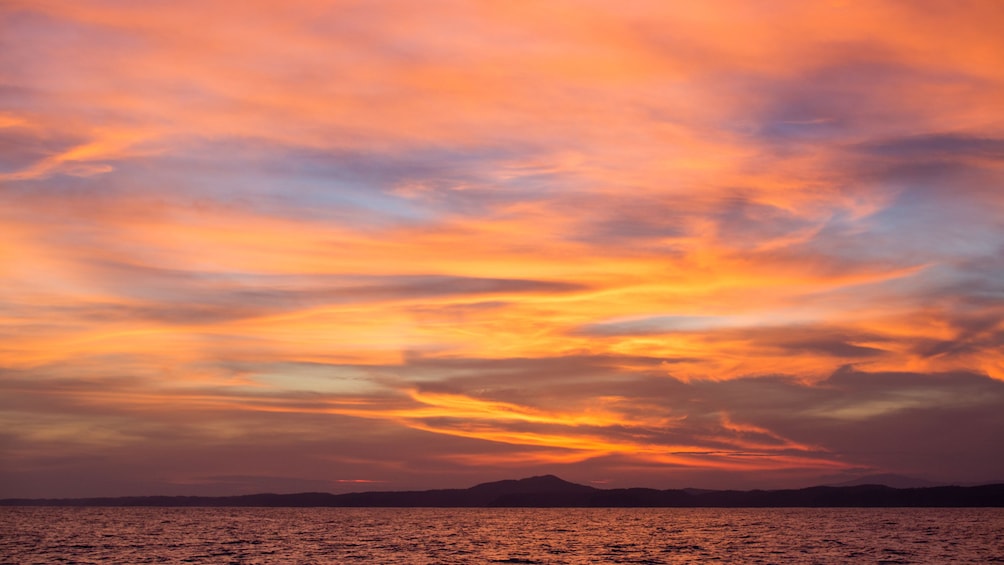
x,y
512,535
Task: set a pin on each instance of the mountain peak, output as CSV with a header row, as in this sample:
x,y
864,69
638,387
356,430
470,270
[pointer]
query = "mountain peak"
x,y
539,483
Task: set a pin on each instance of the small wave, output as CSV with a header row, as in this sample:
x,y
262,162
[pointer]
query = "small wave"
x,y
683,547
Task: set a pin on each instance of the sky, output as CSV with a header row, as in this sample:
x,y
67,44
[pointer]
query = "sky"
x,y
385,245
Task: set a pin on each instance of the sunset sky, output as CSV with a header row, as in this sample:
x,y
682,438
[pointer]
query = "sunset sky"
x,y
384,245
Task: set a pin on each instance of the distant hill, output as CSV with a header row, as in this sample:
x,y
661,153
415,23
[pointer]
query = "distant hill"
x,y
550,491
889,480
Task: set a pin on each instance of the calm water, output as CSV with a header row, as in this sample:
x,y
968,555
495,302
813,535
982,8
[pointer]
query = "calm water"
x,y
572,536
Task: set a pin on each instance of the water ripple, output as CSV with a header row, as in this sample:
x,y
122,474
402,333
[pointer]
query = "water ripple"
x,y
413,536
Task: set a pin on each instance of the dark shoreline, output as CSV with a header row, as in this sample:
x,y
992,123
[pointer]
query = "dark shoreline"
x,y
552,492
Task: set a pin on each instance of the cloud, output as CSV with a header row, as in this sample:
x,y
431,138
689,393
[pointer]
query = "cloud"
x,y
937,146
907,422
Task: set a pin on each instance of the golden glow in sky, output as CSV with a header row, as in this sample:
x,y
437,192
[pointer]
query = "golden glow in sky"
x,y
310,245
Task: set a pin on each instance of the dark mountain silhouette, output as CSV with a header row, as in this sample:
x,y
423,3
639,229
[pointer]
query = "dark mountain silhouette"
x,y
544,483
550,491
889,480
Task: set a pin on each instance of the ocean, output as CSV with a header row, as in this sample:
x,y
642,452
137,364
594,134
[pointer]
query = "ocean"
x,y
509,535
